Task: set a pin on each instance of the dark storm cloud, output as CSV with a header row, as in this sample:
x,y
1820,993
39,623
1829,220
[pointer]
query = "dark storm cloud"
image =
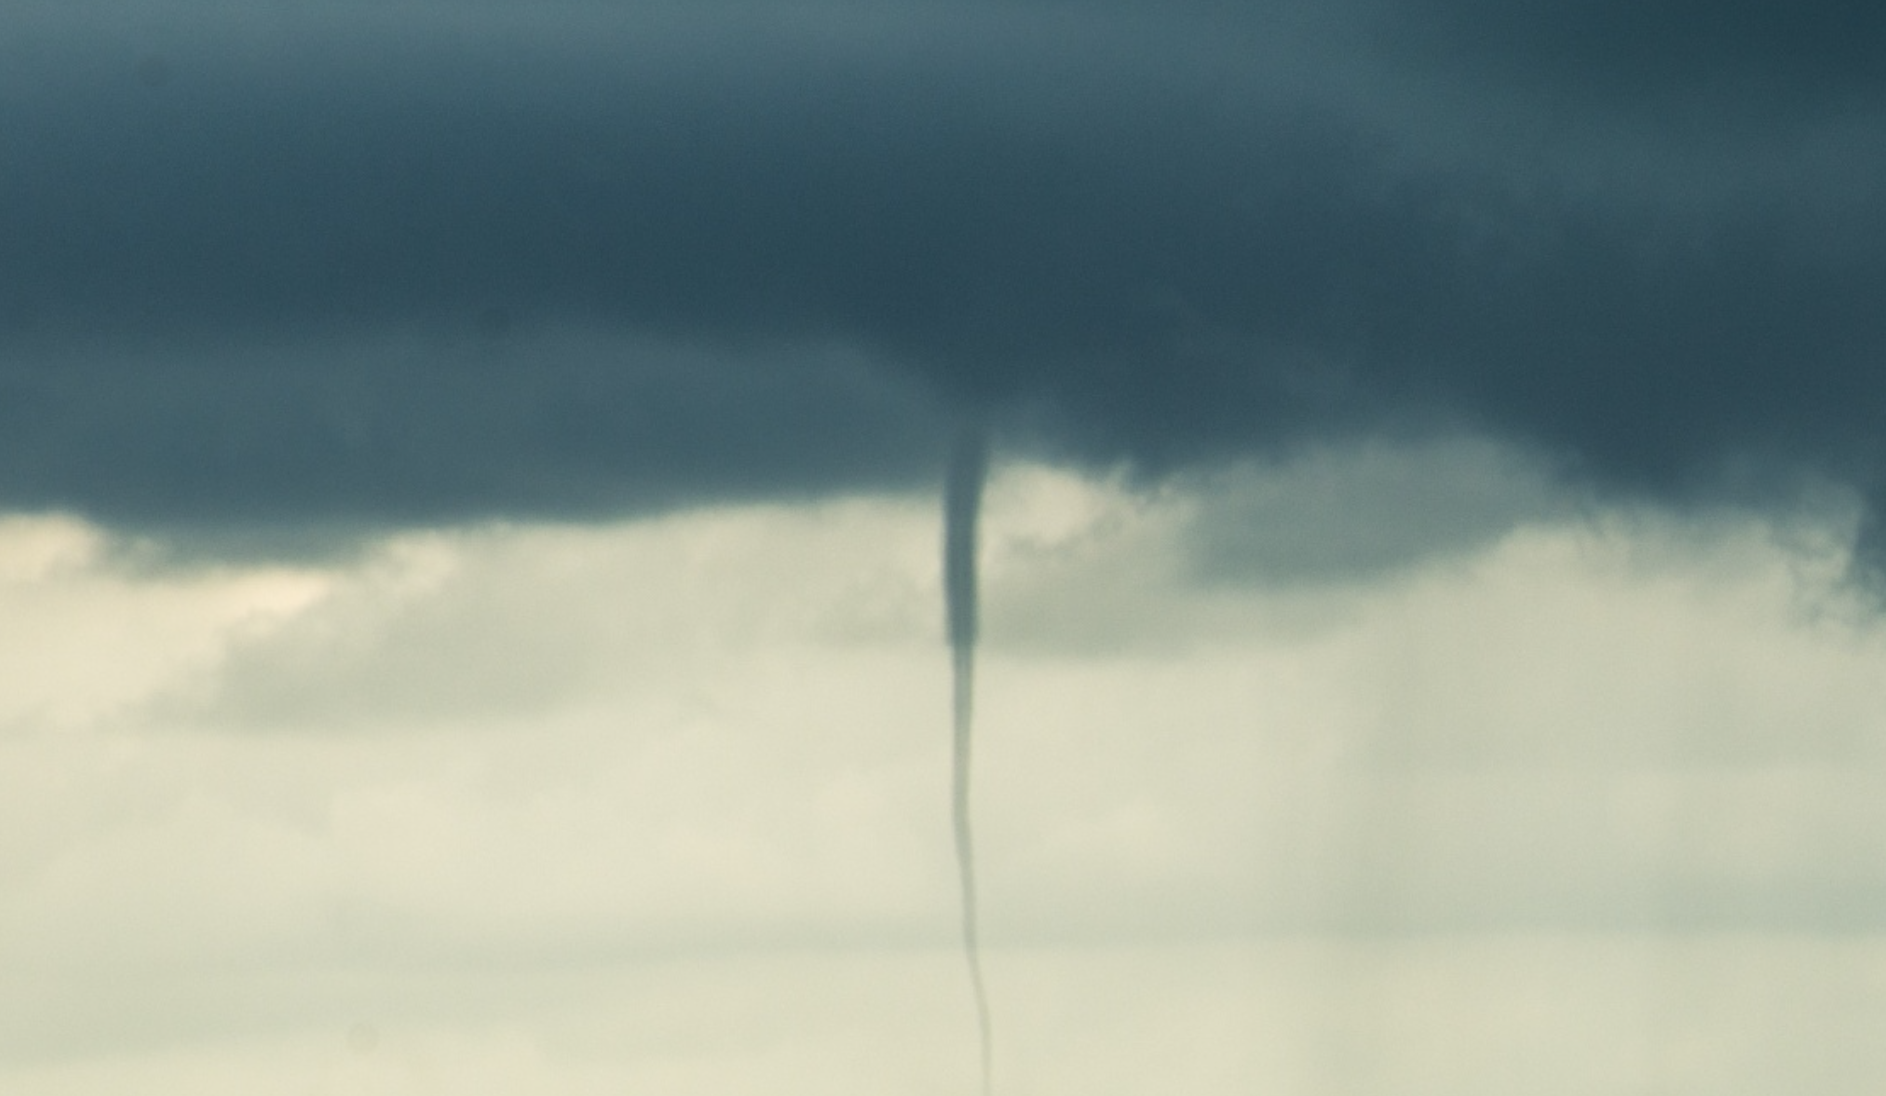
x,y
414,263
419,426
1792,54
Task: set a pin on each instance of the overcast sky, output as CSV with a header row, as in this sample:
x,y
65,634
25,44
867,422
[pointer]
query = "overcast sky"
x,y
469,544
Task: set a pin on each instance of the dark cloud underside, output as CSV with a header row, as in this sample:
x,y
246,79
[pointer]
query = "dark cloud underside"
x,y
434,262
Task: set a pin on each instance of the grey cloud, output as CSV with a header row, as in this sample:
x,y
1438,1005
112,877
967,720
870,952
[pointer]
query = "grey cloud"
x,y
226,441
1164,238
1363,512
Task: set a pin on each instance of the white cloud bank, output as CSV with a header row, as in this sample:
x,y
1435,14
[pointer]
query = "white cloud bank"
x,y
661,807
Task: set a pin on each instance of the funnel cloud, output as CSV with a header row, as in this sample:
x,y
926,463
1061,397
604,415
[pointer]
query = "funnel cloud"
x,y
962,506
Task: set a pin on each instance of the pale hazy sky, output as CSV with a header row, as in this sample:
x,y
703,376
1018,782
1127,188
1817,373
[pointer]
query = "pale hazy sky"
x,y
659,805
469,542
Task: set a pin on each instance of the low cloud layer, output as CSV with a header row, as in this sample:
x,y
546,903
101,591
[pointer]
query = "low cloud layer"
x,y
430,262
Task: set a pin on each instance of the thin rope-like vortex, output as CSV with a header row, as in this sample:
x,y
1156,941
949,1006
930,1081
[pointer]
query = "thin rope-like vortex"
x,y
962,504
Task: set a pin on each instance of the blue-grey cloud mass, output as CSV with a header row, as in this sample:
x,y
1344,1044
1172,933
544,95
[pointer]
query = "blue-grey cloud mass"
x,y
409,263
